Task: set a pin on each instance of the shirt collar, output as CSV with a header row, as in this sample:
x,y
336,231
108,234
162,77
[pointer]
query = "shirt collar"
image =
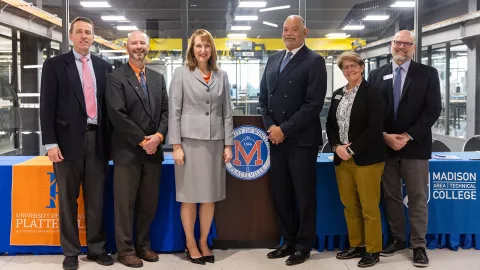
x,y
353,91
294,51
136,69
78,56
405,66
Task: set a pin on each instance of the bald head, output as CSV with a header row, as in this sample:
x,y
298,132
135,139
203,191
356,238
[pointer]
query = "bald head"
x,y
137,46
403,46
294,32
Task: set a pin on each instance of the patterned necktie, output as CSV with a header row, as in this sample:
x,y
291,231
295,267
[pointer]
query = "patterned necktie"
x,y
397,89
88,89
144,84
285,61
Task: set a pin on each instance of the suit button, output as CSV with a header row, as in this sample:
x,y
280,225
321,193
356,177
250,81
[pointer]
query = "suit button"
x,y
285,96
271,95
207,113
208,90
208,101
290,82
283,112
271,111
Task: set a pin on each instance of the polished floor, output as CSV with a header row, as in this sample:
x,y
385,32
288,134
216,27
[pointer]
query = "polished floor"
x,y
255,259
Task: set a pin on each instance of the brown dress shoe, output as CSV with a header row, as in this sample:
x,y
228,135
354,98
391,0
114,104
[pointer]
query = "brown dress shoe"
x,y
147,255
130,261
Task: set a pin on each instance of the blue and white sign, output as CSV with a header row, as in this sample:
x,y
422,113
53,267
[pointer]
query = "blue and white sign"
x,y
251,153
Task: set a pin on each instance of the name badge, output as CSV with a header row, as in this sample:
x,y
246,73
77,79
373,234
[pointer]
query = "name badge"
x,y
386,77
338,97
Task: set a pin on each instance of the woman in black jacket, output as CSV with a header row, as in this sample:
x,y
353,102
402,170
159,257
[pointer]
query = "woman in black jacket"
x,y
355,133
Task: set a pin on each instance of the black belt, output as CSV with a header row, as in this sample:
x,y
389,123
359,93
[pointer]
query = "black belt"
x,y
91,127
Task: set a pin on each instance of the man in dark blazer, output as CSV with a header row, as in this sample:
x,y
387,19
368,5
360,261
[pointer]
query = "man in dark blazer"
x,y
75,133
137,104
292,93
412,94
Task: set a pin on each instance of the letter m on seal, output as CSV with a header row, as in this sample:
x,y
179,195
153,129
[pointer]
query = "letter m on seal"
x,y
239,150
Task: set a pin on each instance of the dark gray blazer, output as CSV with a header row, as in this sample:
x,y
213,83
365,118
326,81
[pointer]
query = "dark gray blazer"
x,y
199,110
133,116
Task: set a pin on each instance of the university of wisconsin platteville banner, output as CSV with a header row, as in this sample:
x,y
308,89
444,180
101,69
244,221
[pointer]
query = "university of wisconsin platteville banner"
x,y
35,218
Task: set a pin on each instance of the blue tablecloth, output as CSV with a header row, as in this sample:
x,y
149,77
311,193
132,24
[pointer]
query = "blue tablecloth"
x,y
454,217
166,231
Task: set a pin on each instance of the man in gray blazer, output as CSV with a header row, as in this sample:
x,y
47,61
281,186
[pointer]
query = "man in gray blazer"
x,y
137,104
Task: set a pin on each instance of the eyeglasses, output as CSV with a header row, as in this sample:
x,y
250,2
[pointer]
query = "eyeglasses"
x,y
405,44
352,66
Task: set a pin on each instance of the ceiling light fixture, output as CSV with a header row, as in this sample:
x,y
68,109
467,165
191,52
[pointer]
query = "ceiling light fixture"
x,y
95,4
237,35
270,24
246,18
113,18
337,35
353,27
274,8
403,4
127,28
241,27
252,4
376,18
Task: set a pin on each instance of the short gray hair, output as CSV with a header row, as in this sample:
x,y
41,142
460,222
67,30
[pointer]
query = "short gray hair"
x,y
350,55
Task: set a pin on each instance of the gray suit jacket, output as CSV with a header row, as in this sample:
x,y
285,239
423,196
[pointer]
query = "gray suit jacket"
x,y
198,110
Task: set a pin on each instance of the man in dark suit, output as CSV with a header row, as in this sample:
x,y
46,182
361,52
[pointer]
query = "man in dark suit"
x,y
75,134
137,104
292,93
412,94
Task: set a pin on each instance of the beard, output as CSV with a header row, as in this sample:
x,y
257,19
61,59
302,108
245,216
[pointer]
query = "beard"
x,y
138,54
402,58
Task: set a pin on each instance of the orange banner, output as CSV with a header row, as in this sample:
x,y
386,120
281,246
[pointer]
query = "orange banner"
x,y
35,205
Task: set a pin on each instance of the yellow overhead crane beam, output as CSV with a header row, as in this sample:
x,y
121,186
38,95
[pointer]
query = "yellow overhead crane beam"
x,y
271,44
52,18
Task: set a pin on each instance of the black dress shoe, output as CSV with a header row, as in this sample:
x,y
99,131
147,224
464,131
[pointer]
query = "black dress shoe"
x,y
102,259
420,257
369,259
200,260
281,252
70,263
298,257
393,247
354,252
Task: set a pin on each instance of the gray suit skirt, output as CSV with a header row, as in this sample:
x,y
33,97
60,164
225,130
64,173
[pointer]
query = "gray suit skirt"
x,y
202,178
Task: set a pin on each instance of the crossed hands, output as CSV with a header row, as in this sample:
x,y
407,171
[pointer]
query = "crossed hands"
x,y
150,143
179,155
396,141
276,135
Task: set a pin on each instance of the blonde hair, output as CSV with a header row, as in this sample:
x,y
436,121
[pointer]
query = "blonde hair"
x,y
349,55
191,61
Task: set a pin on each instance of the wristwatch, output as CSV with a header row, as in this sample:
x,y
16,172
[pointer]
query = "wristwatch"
x,y
334,147
350,152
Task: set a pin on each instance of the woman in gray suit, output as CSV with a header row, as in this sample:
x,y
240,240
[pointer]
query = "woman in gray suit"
x,y
201,132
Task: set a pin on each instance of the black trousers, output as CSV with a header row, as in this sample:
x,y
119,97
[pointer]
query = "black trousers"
x,y
88,171
293,181
135,189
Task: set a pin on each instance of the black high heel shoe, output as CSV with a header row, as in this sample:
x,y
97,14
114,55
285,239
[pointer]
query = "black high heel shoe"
x,y
210,258
200,260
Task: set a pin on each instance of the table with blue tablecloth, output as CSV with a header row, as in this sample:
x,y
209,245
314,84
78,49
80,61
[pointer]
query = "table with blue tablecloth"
x,y
454,216
454,210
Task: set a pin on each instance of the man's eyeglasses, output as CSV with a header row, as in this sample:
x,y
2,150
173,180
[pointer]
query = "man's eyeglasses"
x,y
405,44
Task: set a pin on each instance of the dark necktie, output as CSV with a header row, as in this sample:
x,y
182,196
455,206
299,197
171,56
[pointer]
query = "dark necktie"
x,y
397,89
285,61
144,84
